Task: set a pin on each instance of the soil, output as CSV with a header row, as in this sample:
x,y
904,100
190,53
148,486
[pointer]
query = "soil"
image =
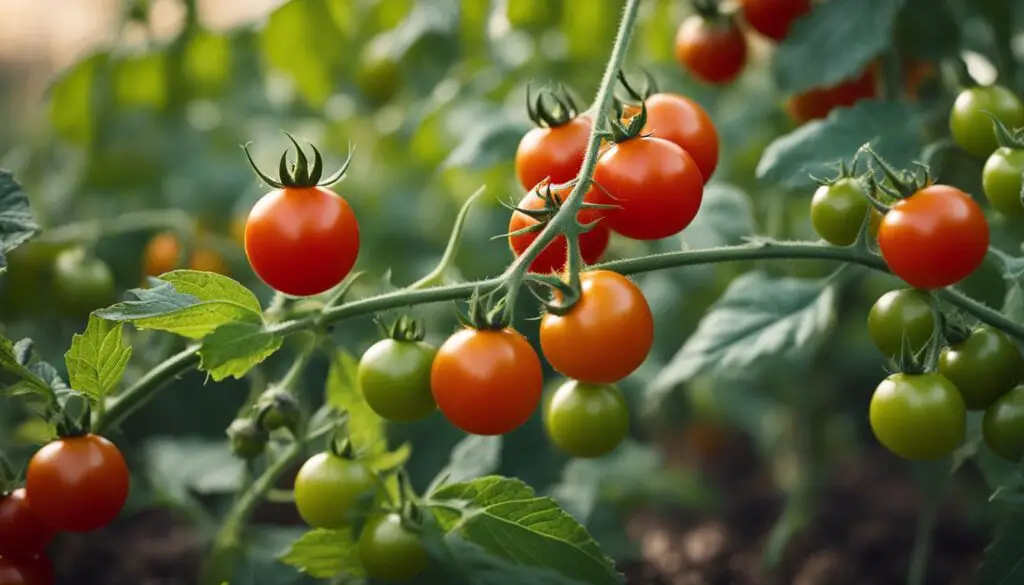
x,y
862,535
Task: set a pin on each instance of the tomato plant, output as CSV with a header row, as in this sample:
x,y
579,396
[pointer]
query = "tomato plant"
x,y
327,488
936,237
772,18
487,382
22,534
918,416
1003,425
77,484
553,258
587,420
1001,180
713,50
394,377
969,121
901,322
984,366
389,551
838,211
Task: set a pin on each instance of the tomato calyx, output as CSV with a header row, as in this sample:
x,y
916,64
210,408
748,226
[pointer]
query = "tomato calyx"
x,y
484,315
564,109
954,332
707,8
247,439
631,129
70,424
564,295
404,328
902,183
340,447
650,87
277,409
301,174
1006,137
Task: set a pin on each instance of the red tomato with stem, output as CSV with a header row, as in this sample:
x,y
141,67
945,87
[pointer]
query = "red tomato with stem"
x,y
77,484
712,50
22,533
555,153
935,238
554,257
772,18
487,382
656,184
684,122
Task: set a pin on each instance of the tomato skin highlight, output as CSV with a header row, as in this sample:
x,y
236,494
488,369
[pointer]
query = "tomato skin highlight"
x,y
487,382
326,488
838,211
984,366
656,185
971,127
77,484
27,571
22,533
934,238
605,336
1003,425
394,378
772,18
389,552
918,417
587,420
901,321
302,242
554,257
1002,183
684,122
713,52
553,153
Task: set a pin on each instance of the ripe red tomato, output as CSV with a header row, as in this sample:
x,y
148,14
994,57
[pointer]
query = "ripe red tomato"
x,y
22,534
819,102
683,121
656,184
772,18
934,238
30,571
553,258
713,51
487,382
554,153
605,336
77,484
302,241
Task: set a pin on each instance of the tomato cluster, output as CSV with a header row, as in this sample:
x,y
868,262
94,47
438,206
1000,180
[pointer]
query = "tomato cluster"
x,y
163,254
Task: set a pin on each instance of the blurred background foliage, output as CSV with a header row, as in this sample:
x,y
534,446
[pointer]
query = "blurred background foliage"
x,y
431,95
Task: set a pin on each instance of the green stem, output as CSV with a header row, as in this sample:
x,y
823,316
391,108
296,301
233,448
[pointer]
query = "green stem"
x,y
144,389
133,221
289,382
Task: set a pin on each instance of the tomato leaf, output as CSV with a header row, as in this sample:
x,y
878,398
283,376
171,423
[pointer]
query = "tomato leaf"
x,y
366,429
15,375
758,320
505,517
235,348
388,460
17,225
1013,275
491,139
97,358
189,303
178,467
1002,562
892,128
835,42
302,40
472,457
324,554
725,218
479,566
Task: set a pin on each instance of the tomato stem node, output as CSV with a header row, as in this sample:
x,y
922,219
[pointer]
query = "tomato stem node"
x,y
301,174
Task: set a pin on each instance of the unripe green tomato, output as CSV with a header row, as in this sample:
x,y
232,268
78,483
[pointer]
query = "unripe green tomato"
x,y
394,377
838,211
901,321
1002,181
247,440
983,367
377,76
1003,425
389,552
919,417
81,283
587,420
280,410
972,129
328,486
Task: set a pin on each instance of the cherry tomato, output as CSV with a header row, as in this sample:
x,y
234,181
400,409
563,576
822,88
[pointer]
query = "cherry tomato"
x,y
26,571
772,18
377,76
838,211
656,184
302,241
918,417
389,552
81,283
1001,180
553,153
605,336
554,257
487,382
77,484
901,321
327,487
984,366
818,102
394,377
161,255
971,127
208,260
1003,425
587,420
22,534
934,238
713,51
684,122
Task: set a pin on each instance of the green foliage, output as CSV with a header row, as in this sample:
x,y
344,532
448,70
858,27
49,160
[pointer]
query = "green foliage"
x,y
324,554
97,358
472,457
17,225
